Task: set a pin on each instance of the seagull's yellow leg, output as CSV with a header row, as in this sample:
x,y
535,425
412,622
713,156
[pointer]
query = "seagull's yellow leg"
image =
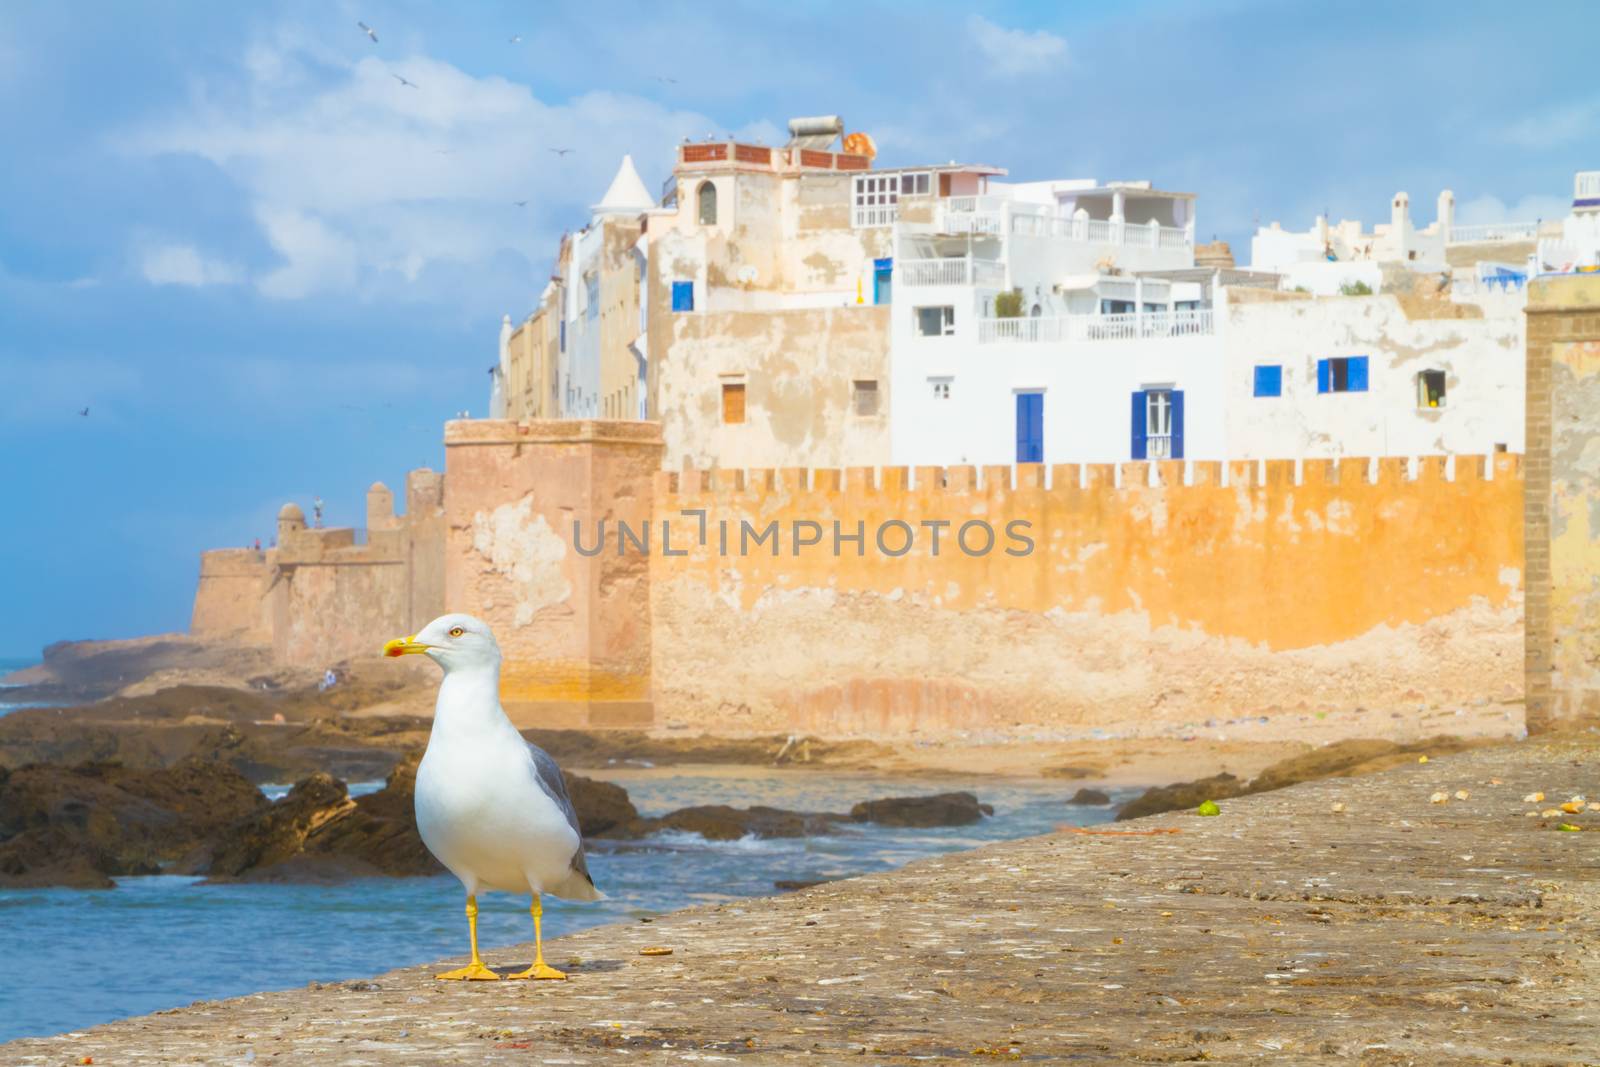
x,y
474,971
540,968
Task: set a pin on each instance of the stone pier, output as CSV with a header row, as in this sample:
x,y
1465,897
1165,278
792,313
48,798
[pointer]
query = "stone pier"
x,y
1396,930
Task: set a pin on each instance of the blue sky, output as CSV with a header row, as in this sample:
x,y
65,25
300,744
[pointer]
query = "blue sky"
x,y
270,270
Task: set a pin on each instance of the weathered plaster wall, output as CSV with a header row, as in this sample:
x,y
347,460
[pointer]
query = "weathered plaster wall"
x,y
1137,605
1400,336
229,603
574,629
1563,503
776,279
798,369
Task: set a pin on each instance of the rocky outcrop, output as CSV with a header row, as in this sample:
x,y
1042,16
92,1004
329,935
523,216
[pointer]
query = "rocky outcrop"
x,y
1181,795
84,825
1090,798
601,806
1342,759
941,809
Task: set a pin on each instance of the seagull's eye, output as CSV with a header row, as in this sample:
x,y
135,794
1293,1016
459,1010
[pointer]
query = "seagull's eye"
x,y
456,631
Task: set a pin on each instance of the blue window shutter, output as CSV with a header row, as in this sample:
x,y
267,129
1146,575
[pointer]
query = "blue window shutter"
x,y
1139,433
1269,380
1358,374
683,296
1322,375
1177,424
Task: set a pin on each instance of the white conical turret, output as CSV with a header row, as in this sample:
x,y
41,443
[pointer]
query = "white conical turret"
x,y
627,194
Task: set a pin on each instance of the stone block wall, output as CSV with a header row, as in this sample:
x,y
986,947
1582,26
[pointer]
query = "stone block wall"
x,y
1563,504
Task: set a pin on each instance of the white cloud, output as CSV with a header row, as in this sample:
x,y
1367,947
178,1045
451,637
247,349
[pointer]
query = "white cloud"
x,y
1011,53
1486,209
1557,126
360,183
182,264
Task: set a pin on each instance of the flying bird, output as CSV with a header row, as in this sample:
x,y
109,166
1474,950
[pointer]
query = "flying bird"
x,y
491,806
561,151
402,81
668,81
516,38
84,413
520,203
369,31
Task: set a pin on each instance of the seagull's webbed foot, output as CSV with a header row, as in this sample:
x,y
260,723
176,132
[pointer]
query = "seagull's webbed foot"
x,y
540,970
472,972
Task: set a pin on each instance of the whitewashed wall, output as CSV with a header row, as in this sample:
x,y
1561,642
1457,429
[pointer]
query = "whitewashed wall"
x,y
1482,359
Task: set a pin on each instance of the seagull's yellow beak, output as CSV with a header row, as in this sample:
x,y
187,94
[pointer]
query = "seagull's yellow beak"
x,y
405,646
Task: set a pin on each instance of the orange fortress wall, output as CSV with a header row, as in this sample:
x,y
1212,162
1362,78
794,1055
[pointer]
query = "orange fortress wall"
x,y
1153,596
1359,586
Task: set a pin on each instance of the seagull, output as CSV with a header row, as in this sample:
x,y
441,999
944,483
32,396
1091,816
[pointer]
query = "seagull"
x,y
490,805
669,81
516,38
369,31
561,151
402,81
84,413
520,203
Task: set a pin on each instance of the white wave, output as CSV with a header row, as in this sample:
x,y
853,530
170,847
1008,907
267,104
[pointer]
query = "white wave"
x,y
687,840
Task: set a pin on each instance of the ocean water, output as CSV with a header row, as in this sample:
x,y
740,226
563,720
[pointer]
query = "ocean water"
x,y
78,957
7,665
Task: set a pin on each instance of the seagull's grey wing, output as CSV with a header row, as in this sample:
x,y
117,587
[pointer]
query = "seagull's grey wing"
x,y
548,773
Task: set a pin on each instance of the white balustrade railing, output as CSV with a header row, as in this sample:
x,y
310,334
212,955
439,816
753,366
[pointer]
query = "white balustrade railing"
x,y
986,215
1493,231
866,216
1133,326
953,271
1586,185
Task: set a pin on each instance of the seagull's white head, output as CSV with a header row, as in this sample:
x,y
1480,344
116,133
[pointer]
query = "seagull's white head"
x,y
454,642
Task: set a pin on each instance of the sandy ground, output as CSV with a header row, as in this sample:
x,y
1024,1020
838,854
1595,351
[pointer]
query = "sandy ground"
x,y
1415,916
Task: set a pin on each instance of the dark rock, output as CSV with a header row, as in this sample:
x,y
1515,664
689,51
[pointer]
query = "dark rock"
x,y
84,825
277,834
601,806
319,834
1181,795
941,809
1342,759
1090,797
790,885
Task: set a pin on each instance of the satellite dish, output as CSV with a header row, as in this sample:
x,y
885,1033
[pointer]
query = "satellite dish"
x,y
860,144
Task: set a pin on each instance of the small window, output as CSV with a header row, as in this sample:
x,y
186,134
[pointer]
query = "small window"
x,y
591,296
732,402
864,396
706,204
1116,307
936,321
682,297
563,335
1430,389
941,388
1344,374
1269,379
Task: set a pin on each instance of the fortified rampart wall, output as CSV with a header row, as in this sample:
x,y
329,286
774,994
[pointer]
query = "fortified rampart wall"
x,y
319,596
1131,597
1356,585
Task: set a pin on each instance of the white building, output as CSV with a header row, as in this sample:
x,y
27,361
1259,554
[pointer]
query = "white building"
x,y
1122,349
